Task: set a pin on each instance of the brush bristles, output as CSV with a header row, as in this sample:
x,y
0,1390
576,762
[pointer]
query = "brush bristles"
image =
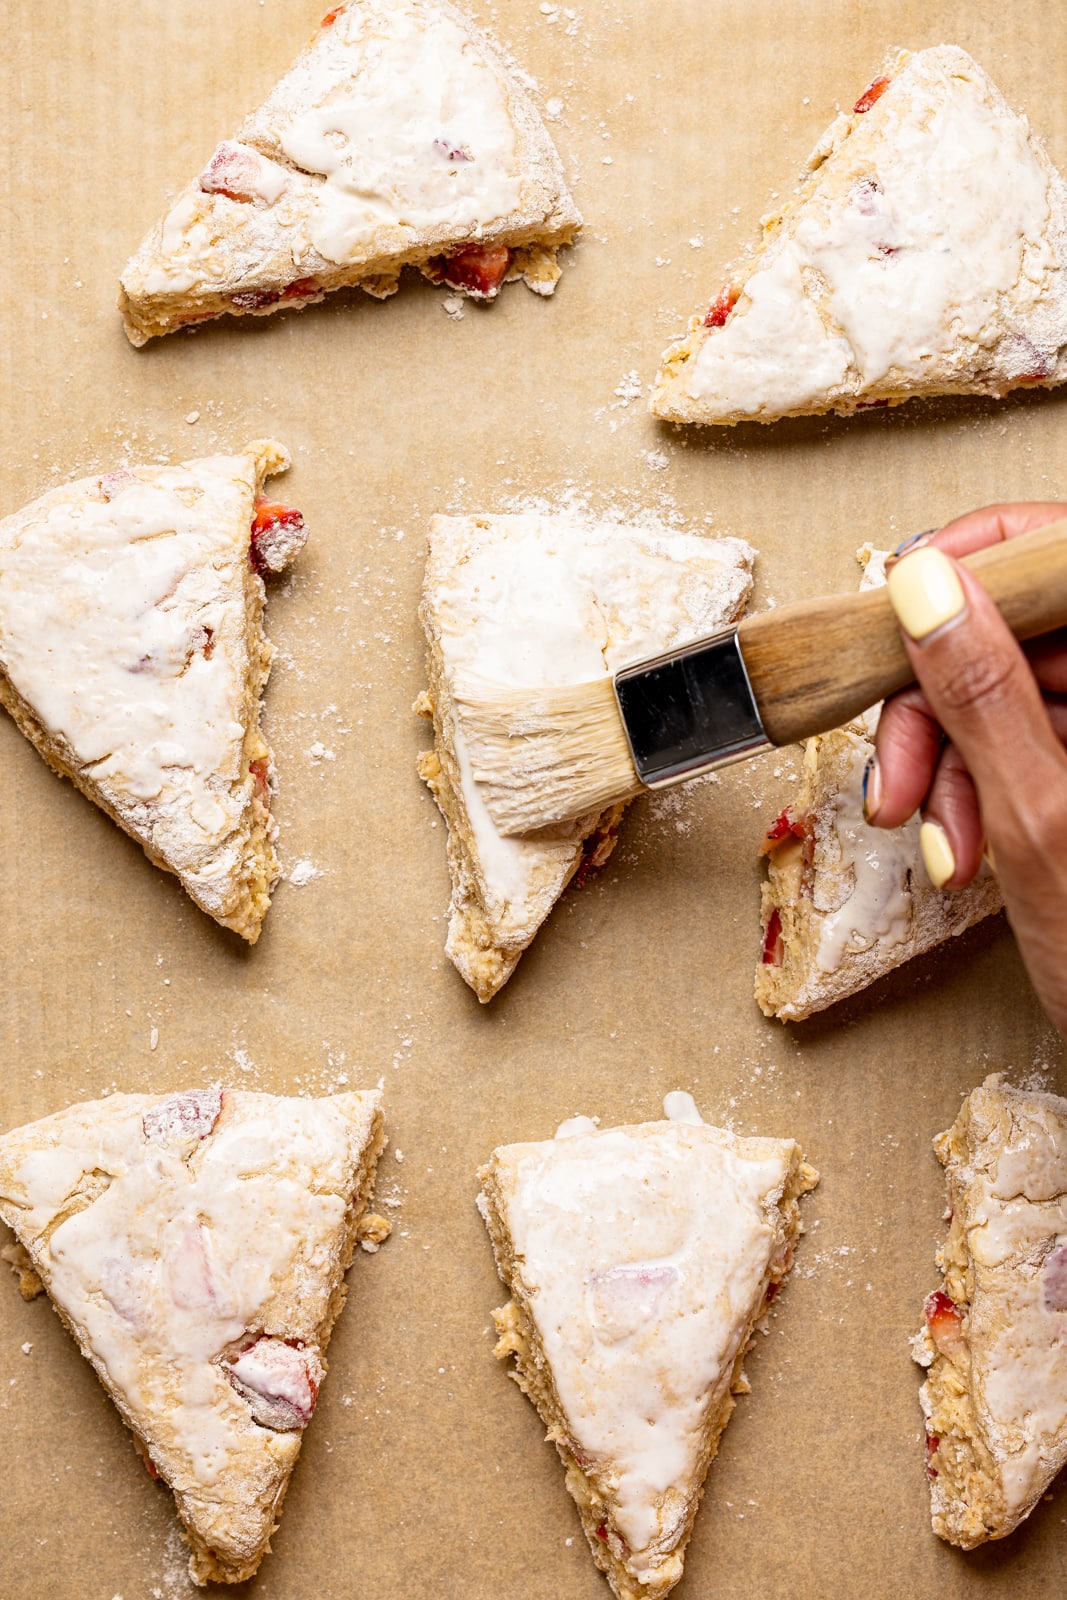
x,y
545,756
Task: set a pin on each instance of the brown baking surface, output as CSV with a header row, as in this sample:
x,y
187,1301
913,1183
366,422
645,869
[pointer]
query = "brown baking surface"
x,y
424,1471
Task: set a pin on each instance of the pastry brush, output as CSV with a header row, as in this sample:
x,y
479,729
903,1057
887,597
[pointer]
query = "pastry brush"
x,y
545,756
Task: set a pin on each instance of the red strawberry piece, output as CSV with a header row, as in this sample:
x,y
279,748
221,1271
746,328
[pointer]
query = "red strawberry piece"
x,y
189,1115
278,532
773,948
233,171
150,1467
945,1322
772,1290
300,289
602,1532
931,1449
260,299
783,831
873,92
782,824
260,774
331,17
722,305
480,269
784,827
279,1380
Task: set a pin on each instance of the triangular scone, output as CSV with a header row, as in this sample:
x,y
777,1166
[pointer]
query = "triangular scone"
x,y
196,1247
534,601
639,1261
995,1339
132,654
924,253
844,902
399,136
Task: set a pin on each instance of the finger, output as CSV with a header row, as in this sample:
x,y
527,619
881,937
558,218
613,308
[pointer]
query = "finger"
x,y
977,681
951,808
907,748
992,524
1048,660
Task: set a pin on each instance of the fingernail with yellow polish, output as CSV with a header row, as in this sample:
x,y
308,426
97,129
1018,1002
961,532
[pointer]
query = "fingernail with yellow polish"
x,y
925,591
872,789
937,853
988,857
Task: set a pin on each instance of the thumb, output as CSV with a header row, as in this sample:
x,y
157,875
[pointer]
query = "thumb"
x,y
982,691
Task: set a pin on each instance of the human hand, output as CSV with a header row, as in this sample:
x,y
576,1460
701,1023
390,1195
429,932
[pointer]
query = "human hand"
x,y
978,746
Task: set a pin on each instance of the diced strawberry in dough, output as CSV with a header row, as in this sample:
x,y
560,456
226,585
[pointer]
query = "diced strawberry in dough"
x,y
189,1115
873,92
772,940
279,1380
261,781
722,305
945,1322
931,1451
480,269
241,173
278,531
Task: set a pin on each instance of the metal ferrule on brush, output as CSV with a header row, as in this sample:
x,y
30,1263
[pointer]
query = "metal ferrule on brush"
x,y
690,711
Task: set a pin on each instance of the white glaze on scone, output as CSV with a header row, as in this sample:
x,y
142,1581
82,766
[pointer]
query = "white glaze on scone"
x,y
535,601
132,653
853,901
1001,1389
443,153
195,1247
926,254
398,133
638,1259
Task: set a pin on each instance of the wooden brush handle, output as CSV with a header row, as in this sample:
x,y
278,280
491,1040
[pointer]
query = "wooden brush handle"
x,y
819,663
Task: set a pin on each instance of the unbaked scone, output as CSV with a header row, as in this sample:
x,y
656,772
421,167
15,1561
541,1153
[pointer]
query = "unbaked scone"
x,y
133,656
924,253
639,1261
844,902
400,136
532,601
196,1246
995,1340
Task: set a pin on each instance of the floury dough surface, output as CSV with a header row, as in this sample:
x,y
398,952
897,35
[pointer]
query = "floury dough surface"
x,y
195,1247
927,254
430,1481
1006,1162
132,653
535,601
445,152
853,901
398,132
641,1256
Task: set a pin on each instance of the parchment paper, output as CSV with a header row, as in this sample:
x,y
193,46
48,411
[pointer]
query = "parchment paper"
x,y
424,1471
